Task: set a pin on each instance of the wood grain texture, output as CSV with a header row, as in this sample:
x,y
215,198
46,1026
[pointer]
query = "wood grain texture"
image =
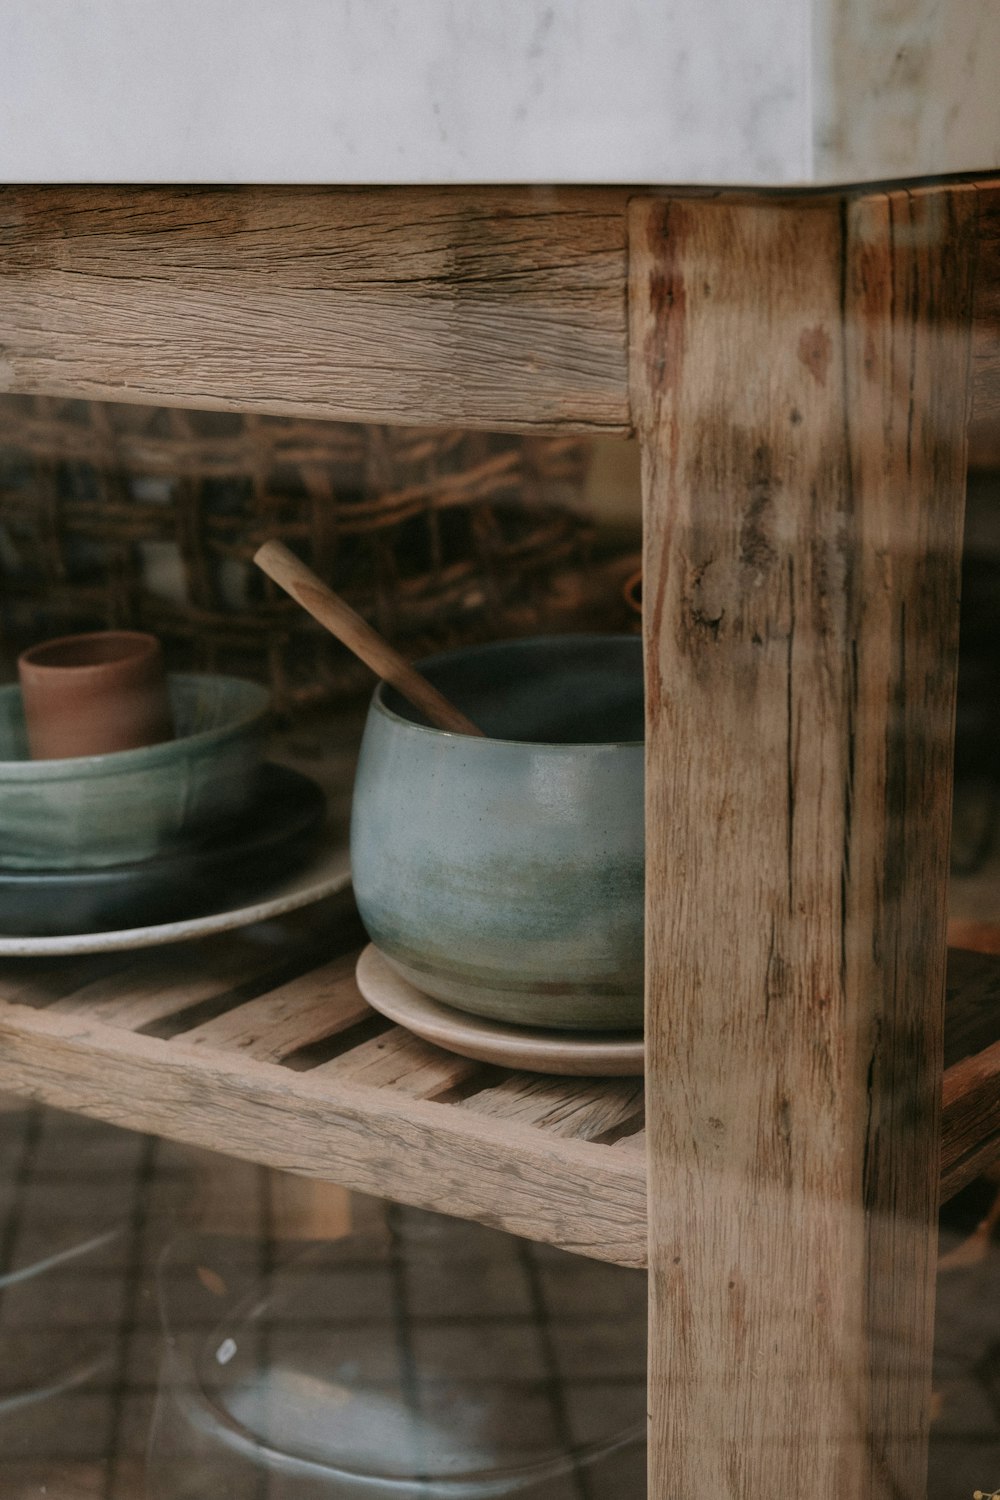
x,y
325,1003
488,308
634,1143
970,1137
305,1010
170,986
971,1145
799,379
47,980
161,984
402,1062
984,428
585,1109
585,1197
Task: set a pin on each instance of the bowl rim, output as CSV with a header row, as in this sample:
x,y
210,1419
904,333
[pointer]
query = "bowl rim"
x,y
477,743
199,1357
147,648
117,762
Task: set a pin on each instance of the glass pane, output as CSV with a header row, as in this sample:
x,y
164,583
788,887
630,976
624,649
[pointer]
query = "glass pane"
x,y
176,1322
323,1150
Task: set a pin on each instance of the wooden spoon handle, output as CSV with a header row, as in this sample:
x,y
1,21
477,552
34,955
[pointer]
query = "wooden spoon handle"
x,y
291,574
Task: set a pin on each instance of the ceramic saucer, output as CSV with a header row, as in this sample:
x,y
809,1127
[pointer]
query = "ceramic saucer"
x,y
578,1054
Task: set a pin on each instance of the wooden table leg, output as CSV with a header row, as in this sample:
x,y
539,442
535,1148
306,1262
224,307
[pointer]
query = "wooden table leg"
x,y
799,377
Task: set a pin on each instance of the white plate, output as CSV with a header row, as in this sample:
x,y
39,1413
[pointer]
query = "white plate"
x,y
587,1054
328,872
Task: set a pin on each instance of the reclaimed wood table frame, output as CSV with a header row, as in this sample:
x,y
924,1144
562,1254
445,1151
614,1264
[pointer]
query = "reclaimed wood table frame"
x,y
804,372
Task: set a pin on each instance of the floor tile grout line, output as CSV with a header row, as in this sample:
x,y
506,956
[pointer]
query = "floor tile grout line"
x,y
132,1276
268,1260
23,1183
552,1377
409,1373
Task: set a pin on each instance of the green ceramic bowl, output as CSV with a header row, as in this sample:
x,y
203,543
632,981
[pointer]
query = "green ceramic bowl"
x,y
505,875
99,810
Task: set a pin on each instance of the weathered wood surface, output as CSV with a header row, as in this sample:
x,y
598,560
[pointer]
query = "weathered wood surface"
x,y
475,307
483,307
970,1141
307,1009
372,1133
260,1016
584,1108
161,983
972,1102
403,1062
984,429
799,379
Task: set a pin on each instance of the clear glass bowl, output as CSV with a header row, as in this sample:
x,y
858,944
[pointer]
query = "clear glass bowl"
x,y
429,1359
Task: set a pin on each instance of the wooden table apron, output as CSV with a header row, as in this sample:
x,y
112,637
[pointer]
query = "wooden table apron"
x,y
800,371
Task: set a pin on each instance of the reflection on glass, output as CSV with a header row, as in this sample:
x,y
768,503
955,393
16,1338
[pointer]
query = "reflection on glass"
x,y
418,1358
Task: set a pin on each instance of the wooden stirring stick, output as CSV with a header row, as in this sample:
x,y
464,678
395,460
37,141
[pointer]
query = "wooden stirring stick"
x,y
291,574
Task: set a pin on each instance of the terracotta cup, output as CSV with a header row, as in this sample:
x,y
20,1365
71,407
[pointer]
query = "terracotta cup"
x,y
94,694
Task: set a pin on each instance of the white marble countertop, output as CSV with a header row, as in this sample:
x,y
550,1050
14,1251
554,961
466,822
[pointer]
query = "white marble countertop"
x,y
759,92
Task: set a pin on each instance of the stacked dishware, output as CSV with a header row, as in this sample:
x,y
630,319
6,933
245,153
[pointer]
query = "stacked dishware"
x,y
130,797
500,875
498,841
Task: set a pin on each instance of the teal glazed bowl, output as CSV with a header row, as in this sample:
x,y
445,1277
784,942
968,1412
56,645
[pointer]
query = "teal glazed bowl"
x,y
94,811
505,875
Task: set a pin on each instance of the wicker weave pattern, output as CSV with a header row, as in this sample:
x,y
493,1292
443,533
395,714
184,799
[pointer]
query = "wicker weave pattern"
x,y
146,517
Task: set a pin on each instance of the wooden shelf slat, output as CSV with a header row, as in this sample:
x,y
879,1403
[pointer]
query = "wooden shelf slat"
x,y
972,1112
402,1062
228,1045
635,1144
373,1140
580,1108
163,981
307,1009
212,1054
970,1141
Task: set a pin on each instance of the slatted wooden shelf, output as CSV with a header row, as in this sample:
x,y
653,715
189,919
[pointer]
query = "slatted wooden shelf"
x,y
259,1045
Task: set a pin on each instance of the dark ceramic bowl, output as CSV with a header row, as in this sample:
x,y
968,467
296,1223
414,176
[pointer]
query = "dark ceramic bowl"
x,y
92,811
224,865
504,875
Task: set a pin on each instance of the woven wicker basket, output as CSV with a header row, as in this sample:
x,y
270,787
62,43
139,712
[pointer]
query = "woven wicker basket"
x,y
146,517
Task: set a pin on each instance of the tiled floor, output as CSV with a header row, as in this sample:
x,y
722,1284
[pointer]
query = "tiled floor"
x,y
100,1205
93,1203
87,1330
